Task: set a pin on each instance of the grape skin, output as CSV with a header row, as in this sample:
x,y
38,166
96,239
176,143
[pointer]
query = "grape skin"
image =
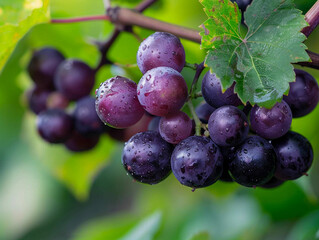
x,y
213,95
116,103
146,157
254,162
74,79
161,50
228,126
203,111
78,142
57,100
303,95
175,127
271,123
54,125
197,162
85,117
43,66
162,91
295,156
272,183
37,99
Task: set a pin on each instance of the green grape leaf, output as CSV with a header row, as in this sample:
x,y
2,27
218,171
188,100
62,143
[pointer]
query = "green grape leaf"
x,y
260,60
76,170
17,17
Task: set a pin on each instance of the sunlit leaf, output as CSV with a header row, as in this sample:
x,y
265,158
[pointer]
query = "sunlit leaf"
x,y
260,61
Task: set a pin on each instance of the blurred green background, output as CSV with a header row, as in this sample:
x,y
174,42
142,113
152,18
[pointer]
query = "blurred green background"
x,y
48,193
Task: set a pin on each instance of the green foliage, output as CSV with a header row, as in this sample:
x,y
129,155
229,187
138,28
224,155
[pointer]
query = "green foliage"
x,y
120,228
19,18
260,61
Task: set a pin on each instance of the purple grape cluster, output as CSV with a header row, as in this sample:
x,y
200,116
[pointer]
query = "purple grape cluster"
x,y
227,140
238,142
58,82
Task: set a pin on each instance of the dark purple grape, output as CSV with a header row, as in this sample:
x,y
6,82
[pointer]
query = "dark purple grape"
x,y
295,156
254,162
74,79
154,124
57,100
37,99
204,111
43,65
272,183
80,143
197,162
303,95
242,4
116,103
161,50
213,95
228,126
271,123
86,120
228,155
175,127
146,157
54,125
162,91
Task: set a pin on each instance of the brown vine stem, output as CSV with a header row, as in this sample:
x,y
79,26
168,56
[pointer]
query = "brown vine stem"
x,y
312,17
314,61
127,17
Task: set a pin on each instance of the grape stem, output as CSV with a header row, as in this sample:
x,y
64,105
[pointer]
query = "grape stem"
x,y
312,17
191,65
124,19
198,94
199,69
198,123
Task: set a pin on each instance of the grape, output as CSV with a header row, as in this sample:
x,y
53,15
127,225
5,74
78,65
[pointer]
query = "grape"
x,y
116,103
228,126
80,143
228,155
57,100
213,95
154,124
162,91
271,123
303,96
43,65
74,79
197,162
54,125
254,162
204,111
37,99
161,50
295,156
146,156
86,120
125,134
242,4
175,127
272,183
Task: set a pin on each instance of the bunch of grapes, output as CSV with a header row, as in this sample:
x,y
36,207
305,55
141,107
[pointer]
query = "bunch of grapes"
x,y
252,146
58,82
